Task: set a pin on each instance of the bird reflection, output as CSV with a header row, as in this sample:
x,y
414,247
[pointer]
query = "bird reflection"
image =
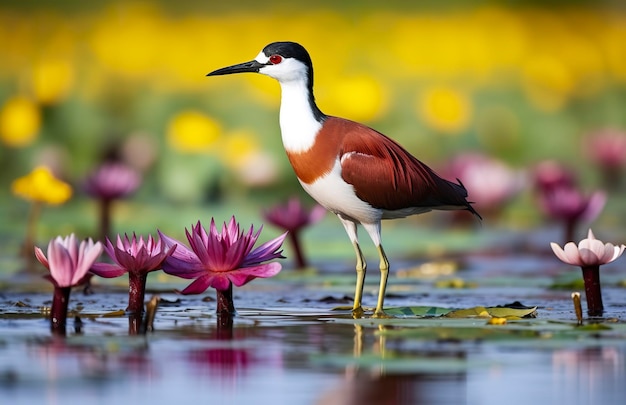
x,y
373,382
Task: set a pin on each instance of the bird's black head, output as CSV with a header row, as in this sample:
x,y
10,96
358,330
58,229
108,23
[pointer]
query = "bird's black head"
x,y
280,60
287,62
288,50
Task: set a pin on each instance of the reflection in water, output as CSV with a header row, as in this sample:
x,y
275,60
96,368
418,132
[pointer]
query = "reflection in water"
x,y
579,373
372,382
223,358
304,358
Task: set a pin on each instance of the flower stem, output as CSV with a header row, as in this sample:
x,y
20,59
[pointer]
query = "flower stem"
x,y
136,292
297,248
105,217
58,312
591,277
31,233
225,304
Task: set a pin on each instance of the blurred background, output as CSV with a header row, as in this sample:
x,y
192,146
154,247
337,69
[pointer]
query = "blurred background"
x,y
516,82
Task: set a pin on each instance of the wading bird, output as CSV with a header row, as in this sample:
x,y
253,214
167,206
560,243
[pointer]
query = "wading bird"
x,y
353,171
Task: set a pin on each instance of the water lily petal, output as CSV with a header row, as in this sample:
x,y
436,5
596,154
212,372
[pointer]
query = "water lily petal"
x,y
243,275
107,270
41,257
267,251
199,285
61,263
220,282
572,254
89,251
183,268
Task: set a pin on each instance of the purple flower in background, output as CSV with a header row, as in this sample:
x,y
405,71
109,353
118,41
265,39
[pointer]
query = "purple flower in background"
x,y
550,174
220,260
137,257
293,217
68,263
109,182
570,206
607,150
561,199
589,255
112,181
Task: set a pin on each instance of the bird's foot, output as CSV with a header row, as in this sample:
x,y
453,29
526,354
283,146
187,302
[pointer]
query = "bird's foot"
x,y
380,314
357,312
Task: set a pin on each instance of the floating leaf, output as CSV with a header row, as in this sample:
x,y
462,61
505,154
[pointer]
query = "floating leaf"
x,y
417,311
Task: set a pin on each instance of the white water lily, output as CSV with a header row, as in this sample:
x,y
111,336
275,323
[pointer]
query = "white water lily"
x,y
588,252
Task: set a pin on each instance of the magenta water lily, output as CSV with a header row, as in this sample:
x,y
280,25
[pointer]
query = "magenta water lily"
x,y
294,217
109,182
589,255
222,259
69,263
137,257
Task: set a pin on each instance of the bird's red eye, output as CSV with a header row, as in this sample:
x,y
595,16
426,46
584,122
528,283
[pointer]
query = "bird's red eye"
x,y
276,59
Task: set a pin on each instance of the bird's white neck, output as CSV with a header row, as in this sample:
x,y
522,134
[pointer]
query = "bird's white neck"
x,y
298,123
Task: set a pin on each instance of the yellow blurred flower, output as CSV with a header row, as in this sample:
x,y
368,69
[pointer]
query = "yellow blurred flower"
x,y
445,109
237,147
548,82
193,132
359,98
52,80
241,152
40,185
20,121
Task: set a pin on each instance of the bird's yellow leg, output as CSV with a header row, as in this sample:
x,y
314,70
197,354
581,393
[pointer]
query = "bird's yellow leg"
x,y
361,266
384,273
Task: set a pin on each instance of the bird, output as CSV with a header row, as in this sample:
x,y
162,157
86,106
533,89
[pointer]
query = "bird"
x,y
354,171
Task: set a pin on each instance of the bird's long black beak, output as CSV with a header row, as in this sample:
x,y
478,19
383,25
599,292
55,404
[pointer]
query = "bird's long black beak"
x,y
252,66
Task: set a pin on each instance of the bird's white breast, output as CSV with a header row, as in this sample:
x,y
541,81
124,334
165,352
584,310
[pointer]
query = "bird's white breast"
x,y
337,196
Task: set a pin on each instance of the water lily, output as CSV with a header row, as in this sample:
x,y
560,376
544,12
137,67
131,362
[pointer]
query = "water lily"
x,y
294,217
221,260
109,182
589,255
69,263
606,149
493,182
562,200
137,257
570,206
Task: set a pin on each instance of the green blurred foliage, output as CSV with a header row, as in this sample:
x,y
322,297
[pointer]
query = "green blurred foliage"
x,y
523,81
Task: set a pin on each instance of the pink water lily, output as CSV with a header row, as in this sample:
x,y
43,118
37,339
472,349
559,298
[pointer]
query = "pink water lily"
x,y
589,254
132,255
294,217
220,260
109,182
137,257
112,180
69,261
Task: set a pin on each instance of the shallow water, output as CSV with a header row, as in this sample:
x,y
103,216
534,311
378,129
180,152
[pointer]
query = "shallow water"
x,y
288,345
